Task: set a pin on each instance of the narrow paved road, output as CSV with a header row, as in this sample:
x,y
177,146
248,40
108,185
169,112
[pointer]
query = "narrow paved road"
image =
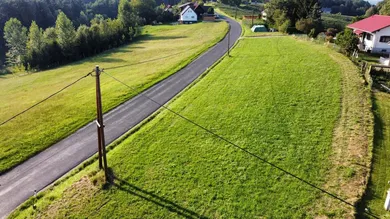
x,y
36,173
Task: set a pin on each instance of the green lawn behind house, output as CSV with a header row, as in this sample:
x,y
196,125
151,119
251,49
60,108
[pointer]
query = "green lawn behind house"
x,y
276,97
159,53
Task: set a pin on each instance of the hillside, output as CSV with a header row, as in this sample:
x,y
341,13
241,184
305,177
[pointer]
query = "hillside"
x,y
166,48
347,7
303,110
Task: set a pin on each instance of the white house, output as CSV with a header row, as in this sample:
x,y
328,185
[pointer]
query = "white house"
x,y
374,33
188,15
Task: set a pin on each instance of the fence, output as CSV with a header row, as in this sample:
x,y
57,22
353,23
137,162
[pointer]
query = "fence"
x,y
377,76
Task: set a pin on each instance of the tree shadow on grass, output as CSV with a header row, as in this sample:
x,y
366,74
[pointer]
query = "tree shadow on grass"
x,y
146,61
154,37
153,198
369,194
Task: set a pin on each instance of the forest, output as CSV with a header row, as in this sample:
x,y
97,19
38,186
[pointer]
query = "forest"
x,y
30,30
347,7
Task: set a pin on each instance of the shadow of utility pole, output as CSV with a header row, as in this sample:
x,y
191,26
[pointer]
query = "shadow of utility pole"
x,y
150,197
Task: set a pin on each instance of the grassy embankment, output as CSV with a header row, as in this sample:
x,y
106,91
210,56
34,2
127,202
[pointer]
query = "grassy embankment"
x,y
301,110
162,51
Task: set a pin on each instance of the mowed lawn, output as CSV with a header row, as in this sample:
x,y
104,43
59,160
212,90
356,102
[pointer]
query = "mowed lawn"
x,y
276,97
378,184
162,51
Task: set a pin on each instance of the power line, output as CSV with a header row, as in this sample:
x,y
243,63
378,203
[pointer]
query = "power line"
x,y
47,98
240,148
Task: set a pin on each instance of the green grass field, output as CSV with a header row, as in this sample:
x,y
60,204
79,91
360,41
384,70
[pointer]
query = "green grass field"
x,y
159,53
277,97
378,185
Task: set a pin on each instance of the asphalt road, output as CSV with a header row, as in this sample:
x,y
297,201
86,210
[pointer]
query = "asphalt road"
x,y
19,184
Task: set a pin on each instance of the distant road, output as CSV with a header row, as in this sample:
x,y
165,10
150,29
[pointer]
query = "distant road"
x,y
17,185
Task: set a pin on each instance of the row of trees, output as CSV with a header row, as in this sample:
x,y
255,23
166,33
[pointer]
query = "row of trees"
x,y
42,48
43,12
80,12
38,48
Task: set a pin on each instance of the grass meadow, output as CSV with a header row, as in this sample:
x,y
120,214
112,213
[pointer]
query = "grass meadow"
x,y
279,98
161,51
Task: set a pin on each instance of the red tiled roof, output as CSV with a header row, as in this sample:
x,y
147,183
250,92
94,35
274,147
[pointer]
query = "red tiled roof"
x,y
371,24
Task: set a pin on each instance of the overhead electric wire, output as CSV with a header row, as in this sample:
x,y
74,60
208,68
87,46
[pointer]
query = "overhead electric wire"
x,y
238,147
47,98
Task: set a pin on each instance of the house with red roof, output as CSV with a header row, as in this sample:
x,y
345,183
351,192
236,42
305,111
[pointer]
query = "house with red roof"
x,y
374,33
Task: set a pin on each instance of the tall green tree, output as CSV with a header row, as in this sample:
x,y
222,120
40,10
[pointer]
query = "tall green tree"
x,y
126,13
66,34
53,52
35,38
307,12
128,18
371,11
145,9
35,45
15,35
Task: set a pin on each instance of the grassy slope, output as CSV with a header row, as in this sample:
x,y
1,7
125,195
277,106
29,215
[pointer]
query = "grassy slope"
x,y
378,184
281,107
166,48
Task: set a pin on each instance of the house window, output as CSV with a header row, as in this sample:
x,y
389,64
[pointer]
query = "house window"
x,y
384,39
192,16
368,37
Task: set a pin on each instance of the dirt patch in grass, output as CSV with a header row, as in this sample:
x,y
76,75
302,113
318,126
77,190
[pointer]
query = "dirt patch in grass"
x,y
352,144
81,190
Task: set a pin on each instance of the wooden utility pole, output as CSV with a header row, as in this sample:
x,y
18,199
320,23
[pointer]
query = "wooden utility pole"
x,y
100,125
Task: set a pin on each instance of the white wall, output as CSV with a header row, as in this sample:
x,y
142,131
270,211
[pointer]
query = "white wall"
x,y
379,46
189,16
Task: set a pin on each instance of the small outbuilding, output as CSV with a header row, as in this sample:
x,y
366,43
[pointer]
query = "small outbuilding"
x,y
259,28
188,16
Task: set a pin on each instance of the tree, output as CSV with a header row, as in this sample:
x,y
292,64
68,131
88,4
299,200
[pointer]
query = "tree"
x,y
347,41
303,12
53,52
145,9
15,35
127,17
83,40
306,25
66,34
384,7
371,11
35,45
